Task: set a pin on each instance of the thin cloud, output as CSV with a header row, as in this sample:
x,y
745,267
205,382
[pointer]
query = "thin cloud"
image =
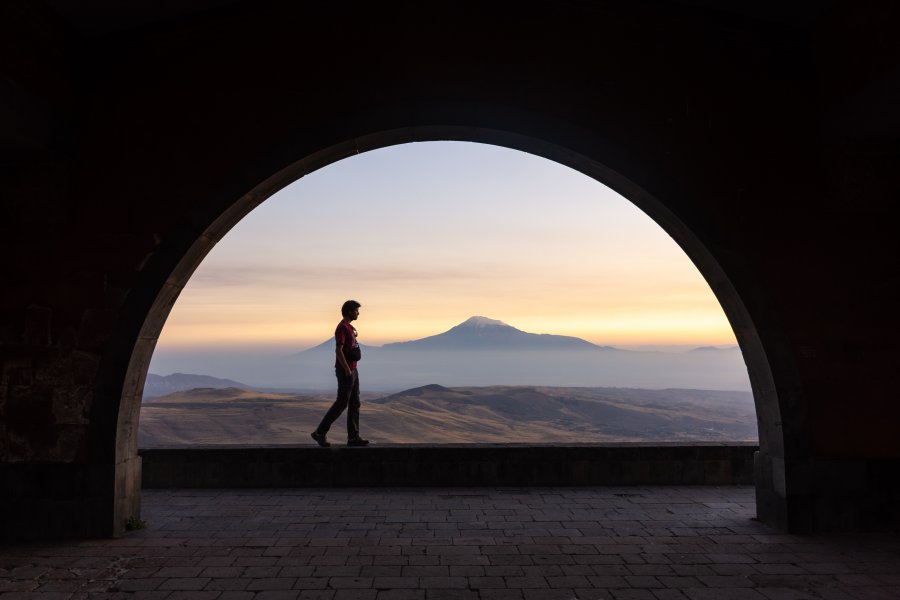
x,y
281,275
429,234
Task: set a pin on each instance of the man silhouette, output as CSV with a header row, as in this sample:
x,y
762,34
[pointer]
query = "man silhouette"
x,y
346,355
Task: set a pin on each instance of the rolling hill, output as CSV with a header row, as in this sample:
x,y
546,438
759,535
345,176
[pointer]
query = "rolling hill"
x,y
158,385
438,414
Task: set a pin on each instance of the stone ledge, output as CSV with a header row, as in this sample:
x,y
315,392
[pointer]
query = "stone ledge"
x,y
449,465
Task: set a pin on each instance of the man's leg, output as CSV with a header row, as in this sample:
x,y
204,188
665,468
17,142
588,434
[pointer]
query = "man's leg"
x,y
345,387
353,409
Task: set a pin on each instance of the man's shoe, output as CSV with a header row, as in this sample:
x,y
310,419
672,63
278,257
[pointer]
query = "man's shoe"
x,y
357,442
320,439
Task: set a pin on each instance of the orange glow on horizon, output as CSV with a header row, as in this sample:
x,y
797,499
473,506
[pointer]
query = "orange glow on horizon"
x,y
427,235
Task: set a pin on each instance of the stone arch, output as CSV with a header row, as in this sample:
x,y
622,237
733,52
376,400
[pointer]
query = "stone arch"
x,y
135,130
171,267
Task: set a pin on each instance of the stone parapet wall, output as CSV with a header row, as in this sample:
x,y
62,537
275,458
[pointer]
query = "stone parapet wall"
x,y
449,465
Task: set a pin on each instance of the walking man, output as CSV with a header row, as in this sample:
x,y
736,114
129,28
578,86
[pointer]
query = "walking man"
x,y
346,353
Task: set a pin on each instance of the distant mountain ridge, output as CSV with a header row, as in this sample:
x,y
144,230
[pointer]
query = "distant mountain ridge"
x,y
482,333
480,351
163,385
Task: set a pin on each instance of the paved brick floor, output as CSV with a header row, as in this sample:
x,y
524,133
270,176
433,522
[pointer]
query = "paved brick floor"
x,y
660,543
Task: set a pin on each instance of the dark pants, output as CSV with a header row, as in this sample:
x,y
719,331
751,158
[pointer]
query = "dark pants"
x,y
347,397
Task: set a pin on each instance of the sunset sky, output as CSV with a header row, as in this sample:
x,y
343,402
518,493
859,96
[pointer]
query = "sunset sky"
x,y
426,235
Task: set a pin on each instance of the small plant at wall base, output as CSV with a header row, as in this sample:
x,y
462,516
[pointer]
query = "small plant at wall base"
x,y
135,523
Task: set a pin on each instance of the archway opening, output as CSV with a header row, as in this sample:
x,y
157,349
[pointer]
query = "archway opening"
x,y
182,254
507,298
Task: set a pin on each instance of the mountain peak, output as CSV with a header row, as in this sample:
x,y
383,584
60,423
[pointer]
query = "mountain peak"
x,y
482,322
482,333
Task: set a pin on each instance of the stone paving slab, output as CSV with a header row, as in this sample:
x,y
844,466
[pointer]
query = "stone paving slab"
x,y
653,543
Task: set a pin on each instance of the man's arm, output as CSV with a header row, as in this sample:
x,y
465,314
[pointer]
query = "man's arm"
x,y
342,360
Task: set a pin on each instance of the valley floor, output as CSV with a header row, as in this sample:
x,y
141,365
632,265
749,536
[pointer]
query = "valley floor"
x,y
440,415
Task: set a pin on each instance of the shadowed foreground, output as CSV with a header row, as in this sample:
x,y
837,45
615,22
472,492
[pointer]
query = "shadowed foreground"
x,y
653,543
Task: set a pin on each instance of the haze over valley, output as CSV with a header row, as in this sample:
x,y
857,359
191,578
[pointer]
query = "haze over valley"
x,y
478,352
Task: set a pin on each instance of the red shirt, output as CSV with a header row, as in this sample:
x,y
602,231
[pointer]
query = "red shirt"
x,y
345,336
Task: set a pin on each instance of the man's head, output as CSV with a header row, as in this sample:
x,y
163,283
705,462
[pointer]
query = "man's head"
x,y
350,309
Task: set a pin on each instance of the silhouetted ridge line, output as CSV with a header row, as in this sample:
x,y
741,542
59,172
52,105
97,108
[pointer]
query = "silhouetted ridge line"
x,y
159,385
424,390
